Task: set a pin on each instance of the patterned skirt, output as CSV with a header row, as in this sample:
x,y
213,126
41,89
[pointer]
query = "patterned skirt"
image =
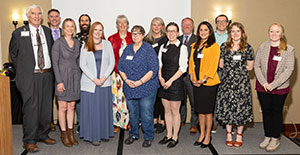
x,y
120,111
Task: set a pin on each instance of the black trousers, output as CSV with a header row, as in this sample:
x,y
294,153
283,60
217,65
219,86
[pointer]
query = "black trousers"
x,y
272,106
159,109
37,108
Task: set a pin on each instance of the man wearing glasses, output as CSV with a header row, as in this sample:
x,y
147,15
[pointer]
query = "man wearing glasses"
x,y
221,35
222,23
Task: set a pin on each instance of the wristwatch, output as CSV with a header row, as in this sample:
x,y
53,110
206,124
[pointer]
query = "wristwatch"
x,y
204,81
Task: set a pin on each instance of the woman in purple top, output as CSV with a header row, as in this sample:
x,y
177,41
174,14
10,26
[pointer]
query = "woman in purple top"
x,y
274,64
138,67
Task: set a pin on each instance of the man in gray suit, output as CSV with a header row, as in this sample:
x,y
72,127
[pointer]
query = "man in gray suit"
x,y
30,51
188,38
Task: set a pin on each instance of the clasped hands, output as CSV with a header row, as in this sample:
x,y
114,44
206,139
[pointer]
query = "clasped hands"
x,y
196,83
133,84
165,84
267,87
99,82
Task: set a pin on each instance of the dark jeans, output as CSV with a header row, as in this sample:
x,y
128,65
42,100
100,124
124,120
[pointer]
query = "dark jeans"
x,y
272,106
142,109
188,88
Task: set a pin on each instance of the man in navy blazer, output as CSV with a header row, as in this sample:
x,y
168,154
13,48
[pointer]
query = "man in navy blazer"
x,y
30,51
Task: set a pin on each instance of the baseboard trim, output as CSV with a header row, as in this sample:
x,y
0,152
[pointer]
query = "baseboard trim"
x,y
290,127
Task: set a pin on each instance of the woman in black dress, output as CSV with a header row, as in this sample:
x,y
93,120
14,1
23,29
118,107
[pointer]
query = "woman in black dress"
x,y
233,104
173,57
203,64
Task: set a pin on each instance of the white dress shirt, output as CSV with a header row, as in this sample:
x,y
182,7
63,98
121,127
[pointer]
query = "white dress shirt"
x,y
35,47
183,57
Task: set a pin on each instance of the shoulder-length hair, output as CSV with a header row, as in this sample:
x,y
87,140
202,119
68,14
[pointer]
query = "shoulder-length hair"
x,y
90,41
64,26
283,41
243,42
160,21
211,38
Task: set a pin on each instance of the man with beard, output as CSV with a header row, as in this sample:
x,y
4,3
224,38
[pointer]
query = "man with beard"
x,y
82,36
84,24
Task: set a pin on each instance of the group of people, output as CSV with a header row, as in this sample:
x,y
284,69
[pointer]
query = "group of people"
x,y
134,79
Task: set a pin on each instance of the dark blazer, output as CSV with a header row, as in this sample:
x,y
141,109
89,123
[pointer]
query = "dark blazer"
x,y
22,56
191,41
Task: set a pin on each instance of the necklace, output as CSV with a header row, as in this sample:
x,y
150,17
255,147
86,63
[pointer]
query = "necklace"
x,y
98,43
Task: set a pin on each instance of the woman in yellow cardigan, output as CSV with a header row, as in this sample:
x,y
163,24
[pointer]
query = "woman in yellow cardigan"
x,y
203,64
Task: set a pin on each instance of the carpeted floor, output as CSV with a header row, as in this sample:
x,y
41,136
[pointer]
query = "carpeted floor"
x,y
252,137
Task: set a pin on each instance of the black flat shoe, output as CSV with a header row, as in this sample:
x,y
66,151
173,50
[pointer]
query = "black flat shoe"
x,y
165,140
147,143
130,139
172,143
160,128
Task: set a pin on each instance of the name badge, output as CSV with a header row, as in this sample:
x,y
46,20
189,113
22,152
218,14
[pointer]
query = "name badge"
x,y
154,45
237,57
200,56
277,58
24,33
129,57
164,50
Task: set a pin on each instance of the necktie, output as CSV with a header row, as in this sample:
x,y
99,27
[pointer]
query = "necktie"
x,y
56,35
186,40
40,54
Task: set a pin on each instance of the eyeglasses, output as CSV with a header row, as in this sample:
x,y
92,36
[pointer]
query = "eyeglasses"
x,y
136,33
172,31
221,21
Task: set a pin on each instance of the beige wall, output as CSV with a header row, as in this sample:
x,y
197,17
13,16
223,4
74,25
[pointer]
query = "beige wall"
x,y
256,16
15,6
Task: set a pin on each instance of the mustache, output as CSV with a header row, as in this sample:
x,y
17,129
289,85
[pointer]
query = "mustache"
x,y
84,25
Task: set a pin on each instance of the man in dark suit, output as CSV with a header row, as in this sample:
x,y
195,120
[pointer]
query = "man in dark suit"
x,y
53,22
30,51
188,38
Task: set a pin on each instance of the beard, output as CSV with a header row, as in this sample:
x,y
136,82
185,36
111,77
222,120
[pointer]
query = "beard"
x,y
85,29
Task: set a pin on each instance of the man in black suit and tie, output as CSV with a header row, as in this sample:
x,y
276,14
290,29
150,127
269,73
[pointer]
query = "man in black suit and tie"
x,y
188,38
30,51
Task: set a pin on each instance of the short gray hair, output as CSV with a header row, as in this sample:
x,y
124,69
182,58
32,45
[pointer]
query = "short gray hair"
x,y
33,7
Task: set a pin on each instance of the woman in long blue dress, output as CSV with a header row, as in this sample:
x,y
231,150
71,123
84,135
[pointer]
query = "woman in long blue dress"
x,y
97,63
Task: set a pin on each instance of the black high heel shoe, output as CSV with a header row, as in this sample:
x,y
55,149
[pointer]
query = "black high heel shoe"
x,y
205,145
196,143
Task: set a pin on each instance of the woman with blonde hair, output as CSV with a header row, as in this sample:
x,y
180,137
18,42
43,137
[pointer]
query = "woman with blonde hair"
x,y
233,105
274,65
156,37
65,56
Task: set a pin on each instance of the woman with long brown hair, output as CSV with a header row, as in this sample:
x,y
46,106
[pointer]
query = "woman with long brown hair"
x,y
97,63
233,104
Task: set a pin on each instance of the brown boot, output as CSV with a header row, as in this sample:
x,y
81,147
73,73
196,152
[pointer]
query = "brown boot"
x,y
65,140
71,137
